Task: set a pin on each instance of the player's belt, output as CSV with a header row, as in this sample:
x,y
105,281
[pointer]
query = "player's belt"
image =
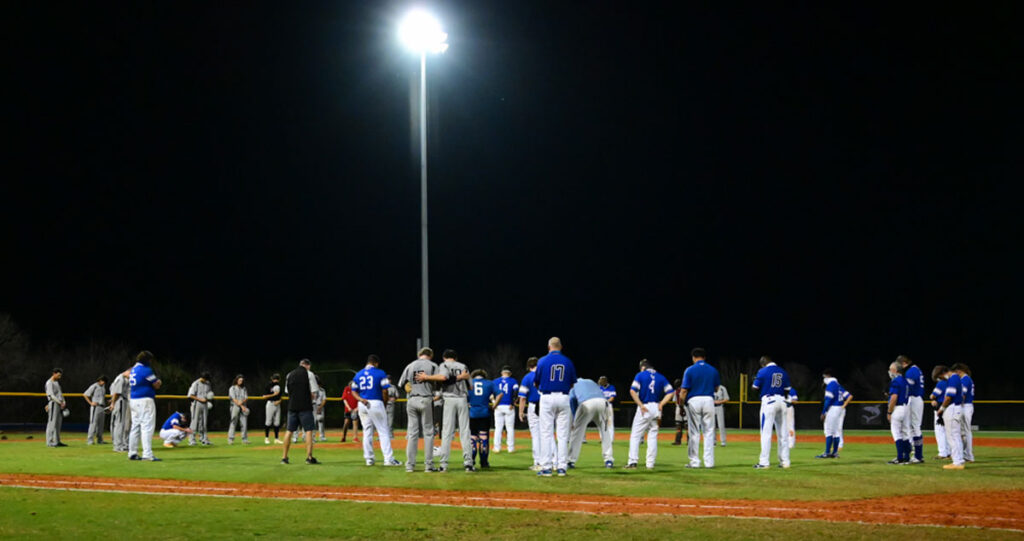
x,y
552,392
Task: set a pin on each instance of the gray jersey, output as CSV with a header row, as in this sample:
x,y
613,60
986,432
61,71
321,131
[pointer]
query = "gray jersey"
x,y
451,369
427,367
321,397
96,393
53,392
200,389
119,386
238,393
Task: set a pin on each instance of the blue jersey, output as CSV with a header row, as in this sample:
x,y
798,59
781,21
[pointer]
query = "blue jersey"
x,y
899,387
701,379
954,390
555,373
940,391
528,389
508,387
141,380
172,421
609,392
772,380
651,386
834,395
480,393
915,381
371,382
967,384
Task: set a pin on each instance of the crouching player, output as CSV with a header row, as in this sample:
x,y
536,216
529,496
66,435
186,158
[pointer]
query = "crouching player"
x,y
174,429
898,414
482,397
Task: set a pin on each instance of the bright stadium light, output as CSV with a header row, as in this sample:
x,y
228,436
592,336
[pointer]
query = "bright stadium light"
x,y
421,33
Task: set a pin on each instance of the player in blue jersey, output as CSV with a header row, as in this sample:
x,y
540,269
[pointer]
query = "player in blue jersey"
x,y
174,429
529,396
915,404
609,395
937,396
369,388
650,391
483,395
504,413
555,376
772,383
844,397
897,414
832,414
700,382
966,432
144,384
951,411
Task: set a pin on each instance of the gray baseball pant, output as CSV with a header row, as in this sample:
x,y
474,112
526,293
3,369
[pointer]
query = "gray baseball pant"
x,y
53,423
198,425
456,409
97,416
237,418
420,413
120,425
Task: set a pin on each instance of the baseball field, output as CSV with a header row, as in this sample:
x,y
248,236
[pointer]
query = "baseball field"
x,y
86,492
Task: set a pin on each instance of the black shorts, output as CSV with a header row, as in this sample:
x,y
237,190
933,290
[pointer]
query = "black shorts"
x,y
479,424
304,417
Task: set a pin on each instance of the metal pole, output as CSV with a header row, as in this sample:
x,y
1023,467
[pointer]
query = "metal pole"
x,y
425,333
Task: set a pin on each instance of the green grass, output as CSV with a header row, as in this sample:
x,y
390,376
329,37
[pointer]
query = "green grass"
x,y
41,514
860,473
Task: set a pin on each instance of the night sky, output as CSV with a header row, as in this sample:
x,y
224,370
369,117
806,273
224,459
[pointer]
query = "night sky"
x,y
828,185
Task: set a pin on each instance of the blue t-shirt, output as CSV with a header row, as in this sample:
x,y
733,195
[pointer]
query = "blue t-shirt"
x,y
954,390
940,391
528,389
508,387
555,373
172,421
480,393
967,384
141,379
371,382
609,391
915,381
771,380
701,379
898,386
651,386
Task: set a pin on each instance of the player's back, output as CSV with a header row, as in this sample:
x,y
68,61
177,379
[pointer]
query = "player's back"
x,y
651,385
453,369
371,382
141,381
954,389
915,381
772,380
419,366
507,387
555,373
480,394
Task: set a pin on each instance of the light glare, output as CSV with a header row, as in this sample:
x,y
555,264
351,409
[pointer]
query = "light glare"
x,y
421,32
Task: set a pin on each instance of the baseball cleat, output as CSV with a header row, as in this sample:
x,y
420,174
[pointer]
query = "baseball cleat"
x,y
535,467
895,461
285,460
431,469
823,455
278,442
631,466
470,469
266,441
953,467
169,444
394,462
312,460
916,460
370,462
544,473
691,466
561,472
609,464
723,444
443,469
784,466
761,466
571,465
134,457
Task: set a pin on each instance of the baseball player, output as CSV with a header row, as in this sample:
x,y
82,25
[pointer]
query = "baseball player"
x,y
174,429
915,404
419,409
504,414
700,381
528,399
483,395
587,399
318,409
144,384
897,414
120,414
96,397
951,411
273,410
351,413
199,393
966,430
721,397
650,391
772,383
836,400
845,397
371,392
938,394
609,394
453,375
680,413
390,407
555,376
55,408
790,416
238,395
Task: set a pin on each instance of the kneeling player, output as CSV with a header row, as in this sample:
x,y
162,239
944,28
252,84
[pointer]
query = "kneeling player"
x,y
174,429
482,398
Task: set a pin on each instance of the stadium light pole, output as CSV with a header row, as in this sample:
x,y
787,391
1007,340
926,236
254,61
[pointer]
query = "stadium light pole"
x,y
421,33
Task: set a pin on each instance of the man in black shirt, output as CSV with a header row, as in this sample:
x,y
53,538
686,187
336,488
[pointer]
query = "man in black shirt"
x,y
300,385
273,409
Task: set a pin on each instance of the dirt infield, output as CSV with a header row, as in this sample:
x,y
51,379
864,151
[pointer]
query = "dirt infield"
x,y
997,509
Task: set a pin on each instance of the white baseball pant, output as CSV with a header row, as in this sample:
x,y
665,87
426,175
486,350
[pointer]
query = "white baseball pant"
x,y
646,421
172,436
375,419
791,425
834,422
555,420
594,410
940,436
967,431
900,423
700,418
915,411
504,419
773,416
953,417
533,420
143,424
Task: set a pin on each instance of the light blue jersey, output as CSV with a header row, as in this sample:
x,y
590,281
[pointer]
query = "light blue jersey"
x,y
371,382
585,389
508,387
772,380
651,386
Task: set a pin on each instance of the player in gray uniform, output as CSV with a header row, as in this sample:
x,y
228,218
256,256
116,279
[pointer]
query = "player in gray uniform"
x,y
273,410
721,397
120,413
55,407
390,406
95,395
419,408
239,395
199,392
453,375
318,409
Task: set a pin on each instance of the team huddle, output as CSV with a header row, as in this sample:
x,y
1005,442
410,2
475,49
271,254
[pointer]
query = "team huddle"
x,y
552,400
